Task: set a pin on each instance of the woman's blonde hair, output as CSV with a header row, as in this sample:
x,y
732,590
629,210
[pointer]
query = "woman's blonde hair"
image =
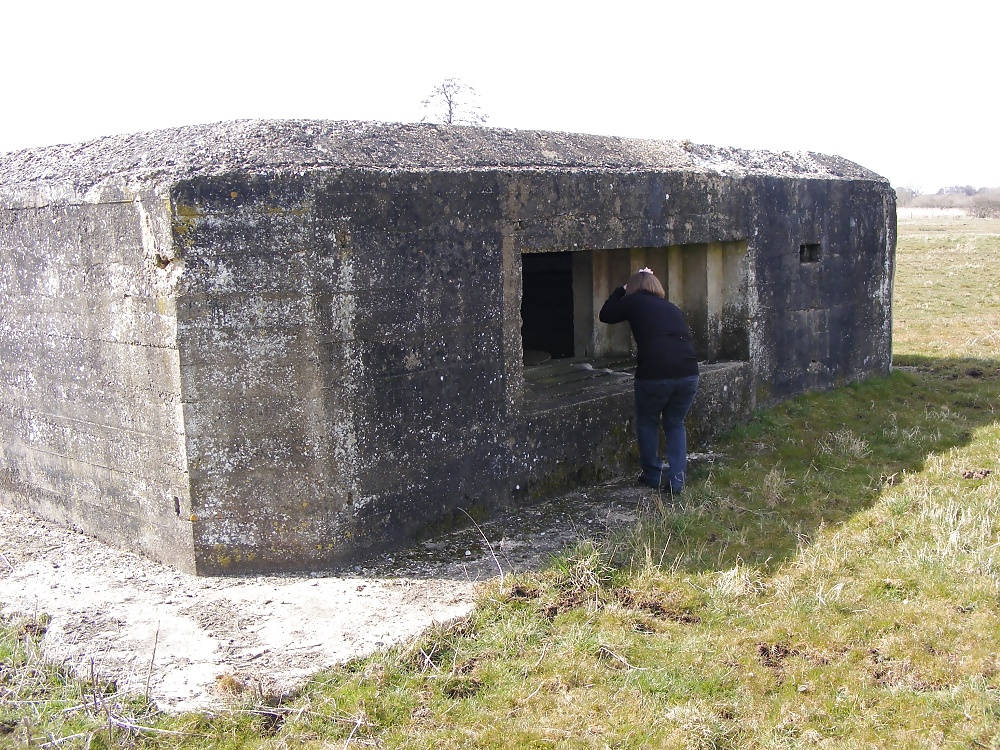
x,y
645,281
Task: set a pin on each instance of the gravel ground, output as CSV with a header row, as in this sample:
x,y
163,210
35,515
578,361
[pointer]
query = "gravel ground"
x,y
153,629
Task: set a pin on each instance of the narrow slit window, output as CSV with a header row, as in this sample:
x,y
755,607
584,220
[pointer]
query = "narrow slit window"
x,y
810,252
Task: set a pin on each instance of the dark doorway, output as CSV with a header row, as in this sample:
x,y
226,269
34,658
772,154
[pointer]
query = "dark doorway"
x,y
546,306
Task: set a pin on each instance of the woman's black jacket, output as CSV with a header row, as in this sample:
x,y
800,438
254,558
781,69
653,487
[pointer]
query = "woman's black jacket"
x,y
661,334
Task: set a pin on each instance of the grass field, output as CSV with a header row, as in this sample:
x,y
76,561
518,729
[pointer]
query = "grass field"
x,y
947,293
833,582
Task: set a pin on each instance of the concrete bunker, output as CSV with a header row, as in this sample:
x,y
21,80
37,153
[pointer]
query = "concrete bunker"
x,y
284,345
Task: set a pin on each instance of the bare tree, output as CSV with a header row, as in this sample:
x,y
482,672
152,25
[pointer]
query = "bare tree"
x,y
906,195
453,102
986,204
965,190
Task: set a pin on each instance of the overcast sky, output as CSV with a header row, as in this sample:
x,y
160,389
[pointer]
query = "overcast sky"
x,y
905,88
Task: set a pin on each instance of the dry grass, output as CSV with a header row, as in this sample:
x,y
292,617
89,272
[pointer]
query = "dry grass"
x,y
947,288
44,705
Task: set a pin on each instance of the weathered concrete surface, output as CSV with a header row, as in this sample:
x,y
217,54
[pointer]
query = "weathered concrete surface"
x,y
259,346
167,635
90,412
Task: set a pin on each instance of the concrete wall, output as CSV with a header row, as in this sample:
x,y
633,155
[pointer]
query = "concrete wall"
x,y
341,357
824,323
350,350
91,425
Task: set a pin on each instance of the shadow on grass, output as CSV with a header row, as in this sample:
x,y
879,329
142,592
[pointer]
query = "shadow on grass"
x,y
816,461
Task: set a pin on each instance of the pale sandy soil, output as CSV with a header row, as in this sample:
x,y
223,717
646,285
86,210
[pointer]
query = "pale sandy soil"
x,y
153,629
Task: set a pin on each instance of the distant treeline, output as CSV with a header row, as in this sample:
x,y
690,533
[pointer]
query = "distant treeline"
x,y
981,202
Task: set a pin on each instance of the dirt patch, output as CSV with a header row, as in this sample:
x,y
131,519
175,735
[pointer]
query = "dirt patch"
x,y
976,473
148,627
661,605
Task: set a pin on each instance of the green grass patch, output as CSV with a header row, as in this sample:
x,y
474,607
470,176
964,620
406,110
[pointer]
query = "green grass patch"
x,y
833,581
45,705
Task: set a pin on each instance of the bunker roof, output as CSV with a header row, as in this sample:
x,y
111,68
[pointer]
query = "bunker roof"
x,y
161,157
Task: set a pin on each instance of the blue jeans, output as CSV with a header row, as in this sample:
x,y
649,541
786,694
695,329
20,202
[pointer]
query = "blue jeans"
x,y
668,401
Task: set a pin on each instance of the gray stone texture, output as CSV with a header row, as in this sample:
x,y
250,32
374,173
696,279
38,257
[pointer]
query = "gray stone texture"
x,y
284,345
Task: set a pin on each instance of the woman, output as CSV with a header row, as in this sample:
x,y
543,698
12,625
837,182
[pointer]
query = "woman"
x,y
666,379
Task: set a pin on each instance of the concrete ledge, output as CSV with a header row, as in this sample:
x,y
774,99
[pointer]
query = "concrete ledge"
x,y
579,420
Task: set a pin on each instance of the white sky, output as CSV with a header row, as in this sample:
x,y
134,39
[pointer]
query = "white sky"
x,y
907,89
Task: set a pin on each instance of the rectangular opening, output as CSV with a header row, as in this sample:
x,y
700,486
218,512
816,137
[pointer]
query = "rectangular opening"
x,y
547,330
568,351
810,252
